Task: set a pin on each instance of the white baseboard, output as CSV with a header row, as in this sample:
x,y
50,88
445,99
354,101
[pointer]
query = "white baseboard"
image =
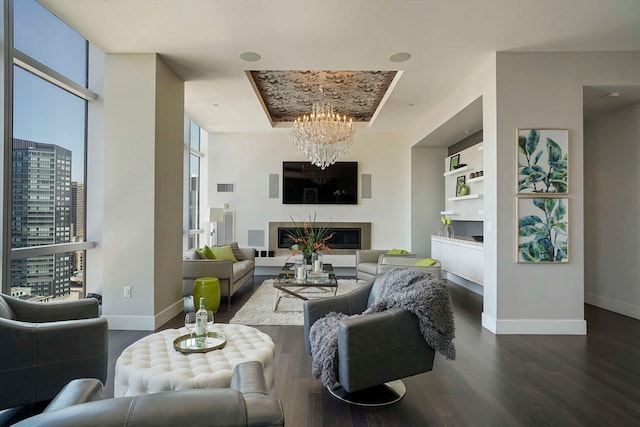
x,y
169,313
534,326
144,323
130,323
617,306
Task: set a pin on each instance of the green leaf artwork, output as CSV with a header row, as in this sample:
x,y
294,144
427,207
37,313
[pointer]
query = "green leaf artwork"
x,y
543,230
542,168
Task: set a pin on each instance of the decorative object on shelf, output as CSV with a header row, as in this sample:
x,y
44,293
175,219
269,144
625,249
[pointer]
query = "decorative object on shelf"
x,y
461,187
543,168
216,215
446,230
323,135
454,161
310,237
543,230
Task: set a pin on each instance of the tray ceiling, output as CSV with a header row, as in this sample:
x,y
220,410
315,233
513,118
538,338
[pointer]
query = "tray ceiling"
x,y
289,94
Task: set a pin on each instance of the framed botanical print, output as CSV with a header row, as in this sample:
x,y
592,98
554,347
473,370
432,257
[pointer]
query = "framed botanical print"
x,y
543,229
543,162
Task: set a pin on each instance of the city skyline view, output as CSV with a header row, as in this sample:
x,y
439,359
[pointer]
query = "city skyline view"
x,y
48,156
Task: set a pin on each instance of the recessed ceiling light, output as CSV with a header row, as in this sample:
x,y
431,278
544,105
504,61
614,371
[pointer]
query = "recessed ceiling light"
x,y
611,95
250,56
400,57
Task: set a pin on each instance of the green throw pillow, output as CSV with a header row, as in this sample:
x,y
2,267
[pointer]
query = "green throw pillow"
x,y
397,252
223,252
207,252
427,262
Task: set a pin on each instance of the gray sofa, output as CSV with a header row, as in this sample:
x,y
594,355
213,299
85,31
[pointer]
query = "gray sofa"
x,y
81,403
367,262
387,262
232,275
46,345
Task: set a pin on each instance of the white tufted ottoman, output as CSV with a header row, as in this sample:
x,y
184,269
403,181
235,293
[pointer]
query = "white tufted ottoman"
x,y
151,364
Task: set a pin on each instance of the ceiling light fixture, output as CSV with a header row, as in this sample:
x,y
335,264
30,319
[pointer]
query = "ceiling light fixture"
x,y
400,57
323,135
250,56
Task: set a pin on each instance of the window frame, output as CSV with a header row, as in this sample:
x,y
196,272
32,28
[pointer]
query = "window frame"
x,y
11,57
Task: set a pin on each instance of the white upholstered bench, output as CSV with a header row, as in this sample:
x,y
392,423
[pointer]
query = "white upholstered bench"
x,y
151,364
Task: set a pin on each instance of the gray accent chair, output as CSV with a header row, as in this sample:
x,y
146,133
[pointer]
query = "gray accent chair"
x,y
46,345
373,350
367,261
246,403
232,275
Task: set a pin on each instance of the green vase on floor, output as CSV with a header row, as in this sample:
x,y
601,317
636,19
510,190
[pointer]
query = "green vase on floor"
x,y
209,289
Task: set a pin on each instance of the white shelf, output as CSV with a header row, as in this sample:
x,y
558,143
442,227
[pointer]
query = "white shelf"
x,y
449,213
478,179
457,171
470,196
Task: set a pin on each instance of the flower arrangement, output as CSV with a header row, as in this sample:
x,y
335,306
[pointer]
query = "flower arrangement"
x,y
310,237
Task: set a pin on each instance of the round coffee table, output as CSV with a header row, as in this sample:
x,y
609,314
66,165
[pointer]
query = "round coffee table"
x,y
151,364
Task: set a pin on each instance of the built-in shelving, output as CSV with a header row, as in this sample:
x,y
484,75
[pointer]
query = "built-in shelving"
x,y
458,171
467,197
449,213
477,179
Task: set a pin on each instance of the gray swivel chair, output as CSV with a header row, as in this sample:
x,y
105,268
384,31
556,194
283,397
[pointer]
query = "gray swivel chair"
x,y
46,345
81,403
375,350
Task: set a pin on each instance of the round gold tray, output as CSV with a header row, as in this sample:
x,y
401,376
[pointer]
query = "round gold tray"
x,y
187,343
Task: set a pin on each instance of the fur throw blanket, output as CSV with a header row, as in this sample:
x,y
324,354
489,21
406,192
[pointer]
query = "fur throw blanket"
x,y
421,294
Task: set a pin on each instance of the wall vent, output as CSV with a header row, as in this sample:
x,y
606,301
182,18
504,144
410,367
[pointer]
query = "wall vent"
x,y
225,188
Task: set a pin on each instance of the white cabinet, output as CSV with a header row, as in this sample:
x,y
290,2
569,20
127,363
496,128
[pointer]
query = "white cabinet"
x,y
470,206
460,257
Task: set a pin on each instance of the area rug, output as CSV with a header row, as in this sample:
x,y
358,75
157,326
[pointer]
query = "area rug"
x,y
259,309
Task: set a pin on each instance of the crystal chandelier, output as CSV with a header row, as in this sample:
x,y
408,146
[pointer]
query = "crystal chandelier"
x,y
323,135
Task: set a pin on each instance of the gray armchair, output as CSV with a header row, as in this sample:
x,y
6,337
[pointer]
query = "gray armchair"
x,y
374,350
46,345
367,261
81,403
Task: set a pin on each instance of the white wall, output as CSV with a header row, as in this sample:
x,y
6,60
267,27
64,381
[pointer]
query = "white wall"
x,y
142,214
544,90
612,211
246,160
169,188
427,195
531,90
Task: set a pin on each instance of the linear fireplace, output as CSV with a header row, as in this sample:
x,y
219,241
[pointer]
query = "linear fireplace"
x,y
347,238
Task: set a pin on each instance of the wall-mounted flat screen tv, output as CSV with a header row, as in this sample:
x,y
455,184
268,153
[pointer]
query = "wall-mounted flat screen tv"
x,y
304,183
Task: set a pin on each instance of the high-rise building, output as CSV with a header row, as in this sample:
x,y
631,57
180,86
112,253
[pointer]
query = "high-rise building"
x,y
77,228
41,215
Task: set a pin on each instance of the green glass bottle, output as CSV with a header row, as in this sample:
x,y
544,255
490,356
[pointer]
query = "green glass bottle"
x,y
201,324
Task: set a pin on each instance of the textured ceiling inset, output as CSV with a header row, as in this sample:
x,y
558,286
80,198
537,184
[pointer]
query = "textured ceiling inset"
x,y
289,94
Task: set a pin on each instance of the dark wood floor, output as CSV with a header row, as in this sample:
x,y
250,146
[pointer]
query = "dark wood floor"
x,y
506,380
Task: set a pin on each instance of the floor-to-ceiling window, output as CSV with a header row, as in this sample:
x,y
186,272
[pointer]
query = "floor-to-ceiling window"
x,y
195,155
47,145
